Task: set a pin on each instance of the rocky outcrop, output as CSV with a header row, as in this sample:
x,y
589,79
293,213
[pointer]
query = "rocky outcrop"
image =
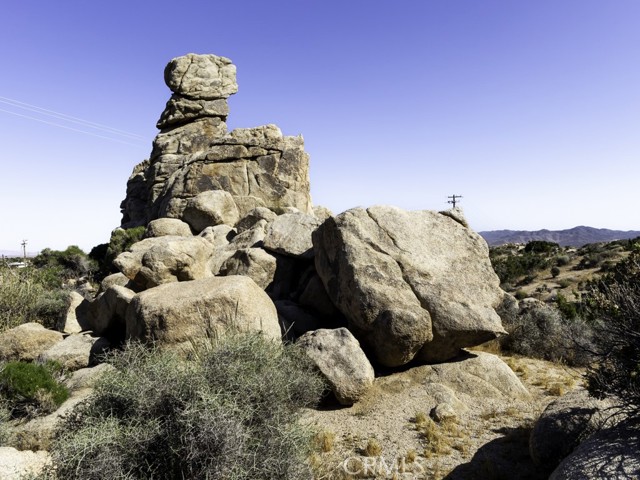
x,y
175,314
194,154
338,356
411,284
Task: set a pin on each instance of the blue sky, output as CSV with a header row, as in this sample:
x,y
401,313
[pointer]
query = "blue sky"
x,y
530,110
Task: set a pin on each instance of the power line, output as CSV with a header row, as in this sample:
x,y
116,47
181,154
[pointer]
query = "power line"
x,y
68,118
69,128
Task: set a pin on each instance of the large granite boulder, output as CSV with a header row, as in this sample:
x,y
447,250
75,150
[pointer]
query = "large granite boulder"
x,y
290,234
565,422
411,284
201,76
610,453
25,342
338,356
176,314
157,260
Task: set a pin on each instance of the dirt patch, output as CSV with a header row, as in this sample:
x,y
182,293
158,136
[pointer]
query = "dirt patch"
x,y
392,433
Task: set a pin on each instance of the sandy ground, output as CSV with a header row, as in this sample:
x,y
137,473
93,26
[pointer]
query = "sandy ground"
x,y
389,435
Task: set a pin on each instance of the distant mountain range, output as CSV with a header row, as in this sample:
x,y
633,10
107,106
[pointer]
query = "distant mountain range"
x,y
574,237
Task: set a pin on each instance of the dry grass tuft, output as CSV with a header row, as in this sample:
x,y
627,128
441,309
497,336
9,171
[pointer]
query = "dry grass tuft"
x,y
373,448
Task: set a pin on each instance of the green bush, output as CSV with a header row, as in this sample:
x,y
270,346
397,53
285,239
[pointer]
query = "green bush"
x,y
121,239
65,264
30,389
540,246
614,304
230,413
566,308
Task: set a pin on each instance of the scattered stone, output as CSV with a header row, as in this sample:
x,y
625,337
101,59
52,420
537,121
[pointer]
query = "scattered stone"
x,y
338,356
180,110
443,412
107,313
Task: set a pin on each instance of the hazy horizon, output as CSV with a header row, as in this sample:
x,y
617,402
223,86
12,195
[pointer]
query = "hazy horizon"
x,y
527,110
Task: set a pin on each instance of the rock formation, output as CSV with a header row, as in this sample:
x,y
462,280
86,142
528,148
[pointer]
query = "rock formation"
x,y
194,154
411,284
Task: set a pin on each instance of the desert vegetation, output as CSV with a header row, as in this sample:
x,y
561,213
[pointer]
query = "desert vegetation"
x,y
39,292
229,413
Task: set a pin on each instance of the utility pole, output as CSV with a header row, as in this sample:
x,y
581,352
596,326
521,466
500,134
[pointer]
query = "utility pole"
x,y
454,200
24,250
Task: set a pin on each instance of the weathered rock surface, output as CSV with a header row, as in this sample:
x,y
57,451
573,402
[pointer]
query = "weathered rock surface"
x,y
254,263
611,453
338,356
412,284
201,76
208,209
16,464
177,313
75,315
72,353
162,227
254,216
181,109
565,422
290,234
478,374
194,153
154,261
27,341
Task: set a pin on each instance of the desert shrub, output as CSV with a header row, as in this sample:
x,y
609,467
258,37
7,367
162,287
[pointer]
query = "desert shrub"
x,y
565,307
30,389
541,246
513,266
555,271
50,306
614,304
65,264
121,239
540,331
562,260
26,297
229,413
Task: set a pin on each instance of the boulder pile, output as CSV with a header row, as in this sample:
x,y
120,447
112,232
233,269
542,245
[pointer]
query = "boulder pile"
x,y
232,241
232,238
